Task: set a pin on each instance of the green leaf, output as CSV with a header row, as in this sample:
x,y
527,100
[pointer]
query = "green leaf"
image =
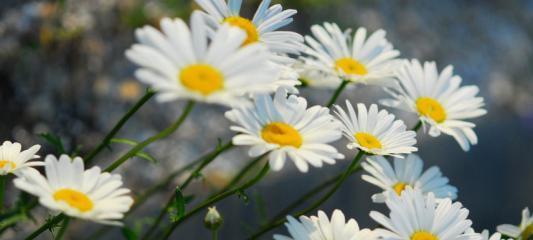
x,y
179,204
55,141
140,154
129,234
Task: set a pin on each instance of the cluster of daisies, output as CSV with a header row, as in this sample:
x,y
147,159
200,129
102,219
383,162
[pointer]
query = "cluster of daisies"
x,y
254,68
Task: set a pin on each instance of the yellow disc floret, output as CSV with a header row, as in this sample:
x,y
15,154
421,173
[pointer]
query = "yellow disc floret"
x,y
202,78
367,140
423,235
431,108
399,187
74,198
350,66
246,25
11,164
282,134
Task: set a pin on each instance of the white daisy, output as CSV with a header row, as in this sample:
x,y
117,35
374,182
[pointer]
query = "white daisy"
x,y
321,228
263,27
524,231
485,235
439,100
12,160
375,132
367,60
76,192
415,216
406,172
183,63
315,78
286,128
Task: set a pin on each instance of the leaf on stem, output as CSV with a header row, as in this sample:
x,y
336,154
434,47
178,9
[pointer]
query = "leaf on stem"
x,y
178,206
140,154
55,141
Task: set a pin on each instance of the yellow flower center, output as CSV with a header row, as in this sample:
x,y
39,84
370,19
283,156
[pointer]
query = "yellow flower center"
x,y
246,25
399,187
423,235
528,232
368,140
431,108
202,78
282,134
74,199
12,165
350,66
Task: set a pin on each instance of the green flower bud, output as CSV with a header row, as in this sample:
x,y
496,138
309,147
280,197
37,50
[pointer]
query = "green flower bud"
x,y
212,219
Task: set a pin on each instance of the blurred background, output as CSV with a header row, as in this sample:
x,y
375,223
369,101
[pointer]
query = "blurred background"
x,y
63,72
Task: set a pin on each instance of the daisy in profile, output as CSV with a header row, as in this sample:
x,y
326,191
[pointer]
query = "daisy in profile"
x,y
183,63
315,78
286,128
369,60
263,27
406,172
76,192
415,216
13,160
322,228
439,100
375,132
524,231
485,235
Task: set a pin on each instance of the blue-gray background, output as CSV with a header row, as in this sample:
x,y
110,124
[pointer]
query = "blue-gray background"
x,y
62,70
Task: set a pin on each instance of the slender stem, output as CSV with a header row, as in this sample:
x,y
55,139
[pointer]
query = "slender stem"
x,y
160,135
417,126
214,234
310,194
338,91
3,180
215,199
161,185
241,174
184,185
316,204
63,229
52,222
149,94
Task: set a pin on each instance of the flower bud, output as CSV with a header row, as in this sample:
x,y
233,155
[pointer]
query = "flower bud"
x,y
212,219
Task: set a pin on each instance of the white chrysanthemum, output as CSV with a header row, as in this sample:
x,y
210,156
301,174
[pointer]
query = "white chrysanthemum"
x,y
369,60
12,160
285,127
439,100
76,192
406,172
415,216
375,132
263,27
321,228
183,63
524,231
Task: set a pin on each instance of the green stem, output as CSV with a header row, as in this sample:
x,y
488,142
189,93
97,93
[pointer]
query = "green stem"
x,y
316,204
214,234
417,126
50,223
161,185
215,199
338,91
63,228
3,180
167,131
241,174
149,94
184,185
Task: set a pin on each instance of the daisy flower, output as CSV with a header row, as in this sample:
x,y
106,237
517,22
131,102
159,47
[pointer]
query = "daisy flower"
x,y
76,192
375,132
183,63
286,128
12,160
524,231
321,228
369,60
263,27
315,78
485,235
415,216
439,100
406,172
